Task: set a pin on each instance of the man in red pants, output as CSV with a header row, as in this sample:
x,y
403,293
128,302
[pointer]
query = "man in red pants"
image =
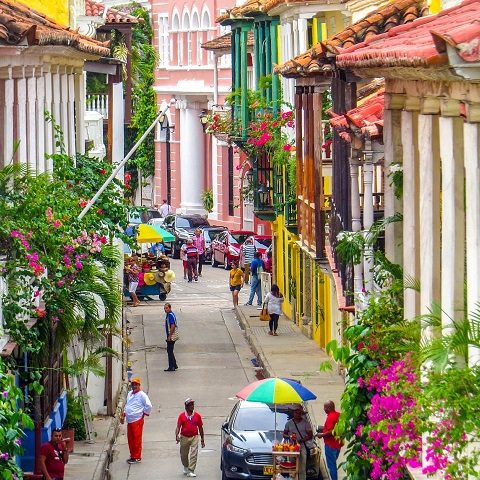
x,y
137,406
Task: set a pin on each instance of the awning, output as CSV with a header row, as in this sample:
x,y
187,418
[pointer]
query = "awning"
x,y
153,234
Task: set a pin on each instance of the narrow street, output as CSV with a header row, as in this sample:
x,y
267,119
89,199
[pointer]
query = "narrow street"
x,y
214,363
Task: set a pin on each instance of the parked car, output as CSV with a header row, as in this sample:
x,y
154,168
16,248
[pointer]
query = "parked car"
x,y
157,221
261,244
209,233
226,247
182,227
247,436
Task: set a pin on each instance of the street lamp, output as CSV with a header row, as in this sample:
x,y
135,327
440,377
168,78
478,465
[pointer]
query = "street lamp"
x,y
263,196
249,177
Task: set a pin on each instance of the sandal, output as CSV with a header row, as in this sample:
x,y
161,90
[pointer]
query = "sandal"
x,y
275,334
270,332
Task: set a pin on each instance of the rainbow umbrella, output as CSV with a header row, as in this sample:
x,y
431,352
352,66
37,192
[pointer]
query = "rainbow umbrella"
x,y
277,391
153,234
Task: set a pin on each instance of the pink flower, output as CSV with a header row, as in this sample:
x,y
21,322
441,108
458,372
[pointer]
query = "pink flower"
x,y
57,223
287,147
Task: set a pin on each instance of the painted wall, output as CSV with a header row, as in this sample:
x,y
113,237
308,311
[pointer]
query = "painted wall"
x,y
55,9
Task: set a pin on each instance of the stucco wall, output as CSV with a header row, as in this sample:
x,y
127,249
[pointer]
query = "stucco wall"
x,y
55,9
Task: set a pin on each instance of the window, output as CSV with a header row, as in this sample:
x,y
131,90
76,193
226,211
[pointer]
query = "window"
x,y
163,43
188,33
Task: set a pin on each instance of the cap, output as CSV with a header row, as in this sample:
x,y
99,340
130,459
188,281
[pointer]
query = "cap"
x,y
136,380
189,400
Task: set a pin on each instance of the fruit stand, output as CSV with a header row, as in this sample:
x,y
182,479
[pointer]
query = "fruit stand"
x,y
286,461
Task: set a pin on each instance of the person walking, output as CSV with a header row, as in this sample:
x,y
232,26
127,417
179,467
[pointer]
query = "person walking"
x,y
171,327
332,444
189,428
165,209
183,258
301,430
247,254
199,242
54,456
235,281
273,302
133,271
192,259
137,407
256,267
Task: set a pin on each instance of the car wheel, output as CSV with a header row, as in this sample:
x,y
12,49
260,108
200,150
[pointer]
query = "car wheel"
x,y
213,262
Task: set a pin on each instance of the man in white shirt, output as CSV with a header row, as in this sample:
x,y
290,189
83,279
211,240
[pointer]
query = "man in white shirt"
x,y
165,209
137,406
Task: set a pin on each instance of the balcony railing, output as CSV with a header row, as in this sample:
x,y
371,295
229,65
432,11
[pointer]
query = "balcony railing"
x,y
97,102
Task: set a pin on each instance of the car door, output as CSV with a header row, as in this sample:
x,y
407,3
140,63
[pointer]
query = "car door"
x,y
216,245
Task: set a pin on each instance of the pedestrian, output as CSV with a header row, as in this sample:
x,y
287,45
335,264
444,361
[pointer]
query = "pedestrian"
x,y
199,242
299,428
247,254
235,281
273,302
133,271
268,262
54,456
183,257
171,329
165,209
192,259
189,428
157,249
137,407
332,444
256,267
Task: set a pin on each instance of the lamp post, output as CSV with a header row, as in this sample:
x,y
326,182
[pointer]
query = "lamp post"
x,y
263,196
203,118
165,126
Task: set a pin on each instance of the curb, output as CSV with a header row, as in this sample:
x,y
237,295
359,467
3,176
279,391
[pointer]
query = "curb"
x,y
101,471
257,350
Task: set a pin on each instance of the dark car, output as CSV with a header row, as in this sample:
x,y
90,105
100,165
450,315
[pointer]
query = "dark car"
x,y
183,228
209,234
226,247
247,437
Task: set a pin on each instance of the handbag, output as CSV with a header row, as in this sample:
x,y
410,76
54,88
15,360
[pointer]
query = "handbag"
x,y
264,315
175,335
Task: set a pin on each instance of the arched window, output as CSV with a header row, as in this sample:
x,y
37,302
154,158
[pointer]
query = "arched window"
x,y
205,19
188,33
175,21
197,37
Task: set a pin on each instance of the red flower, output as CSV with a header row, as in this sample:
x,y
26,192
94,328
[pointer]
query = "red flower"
x,y
99,211
287,147
83,203
103,239
102,171
40,312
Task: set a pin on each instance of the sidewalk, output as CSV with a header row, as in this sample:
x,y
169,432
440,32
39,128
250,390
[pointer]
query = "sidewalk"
x,y
292,355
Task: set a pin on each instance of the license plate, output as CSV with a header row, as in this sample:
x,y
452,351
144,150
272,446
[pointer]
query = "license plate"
x,y
268,470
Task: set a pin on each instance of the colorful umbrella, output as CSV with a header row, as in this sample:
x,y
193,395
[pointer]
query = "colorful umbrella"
x,y
153,234
277,391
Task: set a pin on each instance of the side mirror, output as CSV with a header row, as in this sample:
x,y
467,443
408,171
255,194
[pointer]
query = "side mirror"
x,y
225,427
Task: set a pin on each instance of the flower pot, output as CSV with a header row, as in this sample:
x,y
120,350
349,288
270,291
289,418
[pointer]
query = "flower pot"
x,y
68,436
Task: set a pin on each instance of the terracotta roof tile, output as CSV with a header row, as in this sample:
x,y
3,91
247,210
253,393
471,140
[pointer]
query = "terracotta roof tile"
x,y
224,42
20,25
366,118
248,8
96,9
317,59
423,42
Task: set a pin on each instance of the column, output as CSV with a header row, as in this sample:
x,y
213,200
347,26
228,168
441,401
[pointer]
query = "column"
x,y
393,155
21,130
215,178
472,192
40,107
80,105
32,122
429,215
49,147
191,162
118,116
302,35
71,113
56,102
356,221
8,119
64,119
410,212
453,216
368,214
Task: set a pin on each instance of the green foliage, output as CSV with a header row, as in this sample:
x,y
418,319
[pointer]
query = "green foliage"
x,y
207,199
12,421
74,418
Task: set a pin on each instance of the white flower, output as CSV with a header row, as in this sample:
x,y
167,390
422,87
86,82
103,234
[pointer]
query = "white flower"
x,y
396,167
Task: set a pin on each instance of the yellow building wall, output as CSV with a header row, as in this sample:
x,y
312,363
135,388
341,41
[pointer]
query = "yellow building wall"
x,y
55,9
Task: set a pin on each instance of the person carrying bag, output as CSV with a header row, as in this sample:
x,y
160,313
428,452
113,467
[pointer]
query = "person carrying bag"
x,y
273,303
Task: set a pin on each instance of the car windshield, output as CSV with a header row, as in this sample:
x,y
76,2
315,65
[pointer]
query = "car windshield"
x,y
263,244
190,222
238,237
259,419
211,234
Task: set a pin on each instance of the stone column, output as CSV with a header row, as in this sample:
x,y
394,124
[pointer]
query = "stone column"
x,y
215,178
8,119
472,192
49,146
71,112
429,215
368,214
302,34
40,107
191,161
410,210
56,101
64,118
453,213
21,127
80,105
356,221
32,122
